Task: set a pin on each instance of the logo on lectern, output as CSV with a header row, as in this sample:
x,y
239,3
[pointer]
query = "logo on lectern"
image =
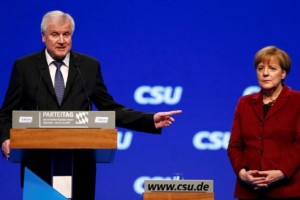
x,y
82,118
26,120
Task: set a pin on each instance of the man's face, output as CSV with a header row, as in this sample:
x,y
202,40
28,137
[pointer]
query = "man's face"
x,y
58,39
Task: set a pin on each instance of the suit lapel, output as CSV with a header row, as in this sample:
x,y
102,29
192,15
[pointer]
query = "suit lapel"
x,y
45,73
257,105
74,64
280,102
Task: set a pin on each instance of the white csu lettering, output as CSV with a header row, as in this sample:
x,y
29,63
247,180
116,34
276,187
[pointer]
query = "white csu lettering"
x,y
205,140
124,140
251,89
158,94
138,184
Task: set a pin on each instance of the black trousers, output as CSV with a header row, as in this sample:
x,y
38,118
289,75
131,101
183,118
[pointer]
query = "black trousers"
x,y
83,169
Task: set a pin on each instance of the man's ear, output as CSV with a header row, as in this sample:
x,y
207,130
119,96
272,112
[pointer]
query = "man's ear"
x,y
43,37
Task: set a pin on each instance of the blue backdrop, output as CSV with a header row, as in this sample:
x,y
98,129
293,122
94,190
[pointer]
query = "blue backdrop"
x,y
160,55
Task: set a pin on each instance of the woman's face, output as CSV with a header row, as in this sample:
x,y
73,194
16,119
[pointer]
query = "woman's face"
x,y
270,74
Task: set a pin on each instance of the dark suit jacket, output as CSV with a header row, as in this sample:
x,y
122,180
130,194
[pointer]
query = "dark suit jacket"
x,y
31,88
267,143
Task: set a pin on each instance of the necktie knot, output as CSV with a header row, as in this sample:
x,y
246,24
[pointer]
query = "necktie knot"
x,y
57,63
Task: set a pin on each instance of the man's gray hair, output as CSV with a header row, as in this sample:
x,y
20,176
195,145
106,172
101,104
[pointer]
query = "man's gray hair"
x,y
56,16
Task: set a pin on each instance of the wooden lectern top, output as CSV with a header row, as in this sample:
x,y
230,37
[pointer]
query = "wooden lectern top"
x,y
63,138
27,142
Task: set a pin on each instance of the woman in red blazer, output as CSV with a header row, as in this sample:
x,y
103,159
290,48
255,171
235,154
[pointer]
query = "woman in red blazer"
x,y
264,147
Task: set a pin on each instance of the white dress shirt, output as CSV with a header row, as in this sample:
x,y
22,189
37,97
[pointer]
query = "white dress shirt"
x,y
64,68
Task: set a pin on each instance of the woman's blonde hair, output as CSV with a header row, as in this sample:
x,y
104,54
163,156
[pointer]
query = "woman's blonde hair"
x,y
266,53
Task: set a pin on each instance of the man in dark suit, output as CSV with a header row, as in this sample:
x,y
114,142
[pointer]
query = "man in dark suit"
x,y
34,86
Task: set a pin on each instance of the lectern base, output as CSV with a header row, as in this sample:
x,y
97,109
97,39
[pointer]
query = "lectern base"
x,y
178,196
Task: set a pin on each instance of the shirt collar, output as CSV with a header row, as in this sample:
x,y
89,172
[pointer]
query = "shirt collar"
x,y
65,61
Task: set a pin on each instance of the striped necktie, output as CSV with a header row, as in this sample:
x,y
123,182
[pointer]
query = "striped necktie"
x,y
59,85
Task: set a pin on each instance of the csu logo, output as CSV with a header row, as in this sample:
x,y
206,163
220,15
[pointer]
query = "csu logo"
x,y
158,94
124,140
211,140
251,89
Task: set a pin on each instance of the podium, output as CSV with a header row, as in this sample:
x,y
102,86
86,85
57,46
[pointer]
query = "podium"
x,y
59,138
26,142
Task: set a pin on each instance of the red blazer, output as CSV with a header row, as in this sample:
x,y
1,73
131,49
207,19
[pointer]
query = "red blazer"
x,y
267,143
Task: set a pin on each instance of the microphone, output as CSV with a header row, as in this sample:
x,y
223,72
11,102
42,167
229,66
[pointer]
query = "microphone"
x,y
84,88
37,92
